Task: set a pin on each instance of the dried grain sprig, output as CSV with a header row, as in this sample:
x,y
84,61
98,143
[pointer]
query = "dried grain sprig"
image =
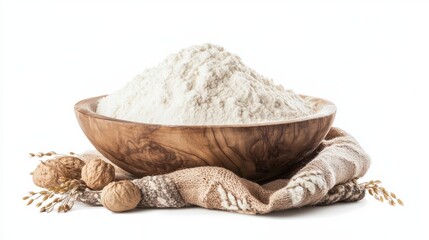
x,y
67,191
381,194
43,154
49,154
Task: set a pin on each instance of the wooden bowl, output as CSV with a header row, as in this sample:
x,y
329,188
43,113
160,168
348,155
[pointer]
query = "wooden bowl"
x,y
253,151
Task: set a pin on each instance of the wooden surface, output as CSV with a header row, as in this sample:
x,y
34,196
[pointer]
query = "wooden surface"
x,y
256,152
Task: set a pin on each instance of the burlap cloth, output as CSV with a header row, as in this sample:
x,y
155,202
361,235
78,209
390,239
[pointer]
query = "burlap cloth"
x,y
328,176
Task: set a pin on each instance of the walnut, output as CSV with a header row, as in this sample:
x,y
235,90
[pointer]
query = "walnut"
x,y
73,165
120,196
97,174
56,171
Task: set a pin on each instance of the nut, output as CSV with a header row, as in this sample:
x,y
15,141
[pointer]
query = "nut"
x,y
57,171
49,174
120,196
73,166
97,174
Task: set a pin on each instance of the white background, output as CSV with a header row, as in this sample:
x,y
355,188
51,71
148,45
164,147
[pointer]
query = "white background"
x,y
371,58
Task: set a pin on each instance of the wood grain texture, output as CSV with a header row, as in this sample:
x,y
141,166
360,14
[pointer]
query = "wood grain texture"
x,y
255,152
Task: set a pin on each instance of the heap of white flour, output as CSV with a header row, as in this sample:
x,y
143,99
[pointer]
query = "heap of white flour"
x,y
203,85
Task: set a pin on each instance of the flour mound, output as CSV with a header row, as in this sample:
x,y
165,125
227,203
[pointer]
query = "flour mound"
x,y
203,85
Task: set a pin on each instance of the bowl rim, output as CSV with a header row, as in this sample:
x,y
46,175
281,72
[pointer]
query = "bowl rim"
x,y
324,107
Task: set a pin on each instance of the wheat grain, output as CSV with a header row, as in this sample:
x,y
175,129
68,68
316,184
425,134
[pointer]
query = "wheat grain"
x,y
381,194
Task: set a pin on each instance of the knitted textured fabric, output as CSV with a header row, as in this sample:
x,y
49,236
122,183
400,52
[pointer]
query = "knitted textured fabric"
x,y
328,176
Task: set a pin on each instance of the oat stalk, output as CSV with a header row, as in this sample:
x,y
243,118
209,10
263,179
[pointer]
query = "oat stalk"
x,y
47,154
381,194
66,193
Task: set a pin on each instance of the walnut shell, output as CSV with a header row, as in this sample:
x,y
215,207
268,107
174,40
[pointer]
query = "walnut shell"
x,y
120,196
56,171
97,174
73,165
